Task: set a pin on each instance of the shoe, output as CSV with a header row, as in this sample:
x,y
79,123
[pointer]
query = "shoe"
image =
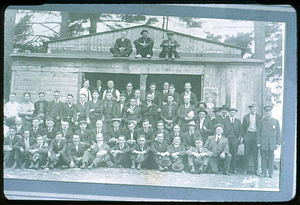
x,y
270,176
15,165
166,168
173,58
83,166
36,166
226,173
234,172
138,56
23,165
148,56
257,174
139,166
51,166
160,168
64,167
91,166
244,172
46,165
193,171
200,170
133,164
31,165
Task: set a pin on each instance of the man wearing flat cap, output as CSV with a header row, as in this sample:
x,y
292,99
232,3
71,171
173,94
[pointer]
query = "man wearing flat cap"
x,y
268,140
169,47
218,149
249,132
144,46
233,132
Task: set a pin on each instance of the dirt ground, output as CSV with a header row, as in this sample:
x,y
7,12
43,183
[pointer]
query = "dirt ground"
x,y
149,177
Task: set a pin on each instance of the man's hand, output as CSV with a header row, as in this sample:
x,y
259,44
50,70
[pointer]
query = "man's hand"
x,y
158,110
203,154
57,117
92,110
258,145
57,155
121,49
88,120
222,155
72,164
49,154
21,149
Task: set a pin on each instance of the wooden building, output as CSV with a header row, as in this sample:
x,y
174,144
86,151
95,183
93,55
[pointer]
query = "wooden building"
x,y
216,70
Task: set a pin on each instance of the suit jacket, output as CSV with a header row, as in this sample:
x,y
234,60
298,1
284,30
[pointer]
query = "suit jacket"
x,y
172,136
68,135
165,133
124,150
72,152
37,107
21,143
9,141
83,110
159,147
108,110
34,134
135,116
21,129
164,115
69,112
128,97
148,135
215,149
54,109
209,128
54,148
148,40
41,150
181,149
189,140
112,134
196,150
116,110
50,135
175,95
193,98
246,122
150,112
100,92
157,97
182,112
137,147
98,109
220,120
127,134
125,44
268,133
86,137
103,132
237,126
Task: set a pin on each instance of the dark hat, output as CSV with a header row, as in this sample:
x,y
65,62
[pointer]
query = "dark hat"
x,y
201,102
192,123
143,31
216,109
178,166
253,104
165,161
41,93
140,158
223,107
268,107
170,33
83,121
202,110
116,119
219,125
13,127
232,109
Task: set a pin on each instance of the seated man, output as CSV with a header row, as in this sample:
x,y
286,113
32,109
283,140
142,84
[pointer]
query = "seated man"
x,y
144,46
114,132
169,113
169,47
38,153
100,129
66,132
130,134
9,153
160,129
176,133
119,152
26,110
186,113
85,134
146,130
197,157
177,151
218,149
36,129
159,149
122,47
189,137
140,152
22,149
75,151
132,113
11,110
149,110
20,127
57,153
49,133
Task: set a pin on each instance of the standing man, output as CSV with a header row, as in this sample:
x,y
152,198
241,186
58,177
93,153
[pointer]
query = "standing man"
x,y
222,118
11,110
111,89
169,113
185,114
96,109
85,90
156,95
26,110
129,92
173,93
100,89
9,152
233,132
268,140
188,92
54,109
40,106
149,110
122,47
36,129
82,110
108,109
204,125
69,112
144,46
216,112
165,92
118,108
249,128
20,127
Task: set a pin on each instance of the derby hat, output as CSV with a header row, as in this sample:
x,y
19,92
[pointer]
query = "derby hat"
x,y
165,161
178,166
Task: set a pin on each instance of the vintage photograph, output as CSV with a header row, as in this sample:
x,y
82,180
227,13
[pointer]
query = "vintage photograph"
x,y
143,100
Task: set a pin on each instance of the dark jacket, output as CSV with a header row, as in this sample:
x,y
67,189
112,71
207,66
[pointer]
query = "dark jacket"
x,y
246,122
268,133
215,149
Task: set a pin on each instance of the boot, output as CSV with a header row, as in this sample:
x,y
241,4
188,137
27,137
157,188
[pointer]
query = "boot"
x,y
133,164
83,166
46,165
31,165
91,166
139,166
37,165
51,166
160,168
15,165
24,165
193,171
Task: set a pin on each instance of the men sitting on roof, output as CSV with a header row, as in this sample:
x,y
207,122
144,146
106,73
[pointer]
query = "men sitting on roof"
x,y
122,47
144,46
169,47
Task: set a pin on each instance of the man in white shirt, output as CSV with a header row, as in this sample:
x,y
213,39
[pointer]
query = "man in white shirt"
x,y
85,90
26,110
111,89
11,110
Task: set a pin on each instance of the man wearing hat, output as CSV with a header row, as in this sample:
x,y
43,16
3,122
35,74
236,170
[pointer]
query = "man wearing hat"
x,y
122,47
144,46
169,112
139,152
202,106
169,47
38,153
160,154
216,112
120,153
177,152
268,140
9,141
223,116
233,132
113,132
249,132
85,135
204,125
40,106
189,137
218,149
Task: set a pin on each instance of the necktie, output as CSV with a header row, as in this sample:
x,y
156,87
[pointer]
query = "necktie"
x,y
145,131
35,130
98,130
27,143
218,139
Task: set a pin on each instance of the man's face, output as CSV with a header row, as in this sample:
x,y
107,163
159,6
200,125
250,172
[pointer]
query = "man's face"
x,y
108,96
137,94
219,130
39,140
99,124
152,88
121,140
123,34
192,128
49,123
116,124
269,113
166,86
129,87
131,126
56,96
69,99
201,115
232,113
132,102
122,99
145,125
217,113
110,84
26,134
35,123
176,140
198,143
186,99
26,97
76,139
99,138
201,106
86,84
172,89
252,109
95,95
170,37
65,125
160,126
82,98
176,128
11,132
41,97
82,126
18,121
58,137
12,97
149,98
160,137
187,86
145,34
223,111
142,140
99,83
170,99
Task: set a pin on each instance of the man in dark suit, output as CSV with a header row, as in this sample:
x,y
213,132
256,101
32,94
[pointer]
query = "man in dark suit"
x,y
204,125
169,47
75,151
189,137
9,153
173,93
176,133
54,109
100,129
40,106
132,113
156,95
159,150
122,47
160,129
20,127
186,113
268,140
169,113
36,130
222,118
69,112
96,109
118,108
177,151
233,132
129,92
130,134
202,106
149,110
22,149
140,148
85,134
146,130
66,132
113,132
144,46
38,153
82,109
100,89
50,131
218,150
188,92
249,132
216,112
108,105
165,92
120,153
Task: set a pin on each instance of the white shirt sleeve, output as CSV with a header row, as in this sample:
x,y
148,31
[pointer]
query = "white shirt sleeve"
x,y
118,95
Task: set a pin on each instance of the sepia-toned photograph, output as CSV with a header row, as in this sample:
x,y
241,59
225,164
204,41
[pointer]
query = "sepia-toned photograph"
x,y
133,99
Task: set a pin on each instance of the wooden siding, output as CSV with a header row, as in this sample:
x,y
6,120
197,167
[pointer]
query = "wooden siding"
x,y
101,43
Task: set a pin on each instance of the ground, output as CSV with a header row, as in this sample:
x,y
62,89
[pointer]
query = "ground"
x,y
149,177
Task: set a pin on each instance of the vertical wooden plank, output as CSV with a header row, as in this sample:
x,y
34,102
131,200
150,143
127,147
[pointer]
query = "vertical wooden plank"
x,y
143,81
79,85
12,85
201,87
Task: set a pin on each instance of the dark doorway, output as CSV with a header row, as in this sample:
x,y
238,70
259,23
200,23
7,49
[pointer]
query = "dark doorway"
x,y
120,80
178,81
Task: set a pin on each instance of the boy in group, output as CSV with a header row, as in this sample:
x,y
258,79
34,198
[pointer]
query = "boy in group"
x,y
9,152
26,110
130,134
169,113
197,157
36,130
146,130
140,152
144,46
132,113
38,153
160,129
85,134
100,129
188,92
22,149
96,109
75,151
189,137
82,110
176,133
66,132
56,153
54,109
113,132
122,47
149,110
177,151
11,110
119,152
69,112
159,149
50,131
169,47
40,106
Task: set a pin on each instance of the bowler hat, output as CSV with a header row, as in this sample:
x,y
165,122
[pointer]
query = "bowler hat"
x,y
143,31
232,109
268,107
192,123
219,125
116,119
202,110
253,104
165,161
223,107
83,121
178,166
201,102
216,109
140,158
170,33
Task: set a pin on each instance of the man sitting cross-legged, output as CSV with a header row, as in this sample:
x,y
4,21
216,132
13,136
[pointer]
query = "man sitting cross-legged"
x,y
38,153
159,149
9,142
120,152
140,152
177,151
197,157
75,151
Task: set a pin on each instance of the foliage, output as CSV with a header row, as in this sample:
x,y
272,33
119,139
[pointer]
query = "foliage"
x,y
212,37
191,22
243,40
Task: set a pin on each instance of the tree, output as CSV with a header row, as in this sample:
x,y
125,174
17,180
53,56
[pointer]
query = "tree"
x,y
212,37
243,40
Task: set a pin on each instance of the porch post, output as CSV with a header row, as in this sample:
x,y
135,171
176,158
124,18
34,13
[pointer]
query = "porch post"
x,y
143,81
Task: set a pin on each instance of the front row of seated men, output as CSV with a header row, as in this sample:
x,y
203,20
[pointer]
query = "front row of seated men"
x,y
179,153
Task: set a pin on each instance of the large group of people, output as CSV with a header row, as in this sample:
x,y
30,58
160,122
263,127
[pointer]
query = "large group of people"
x,y
109,128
